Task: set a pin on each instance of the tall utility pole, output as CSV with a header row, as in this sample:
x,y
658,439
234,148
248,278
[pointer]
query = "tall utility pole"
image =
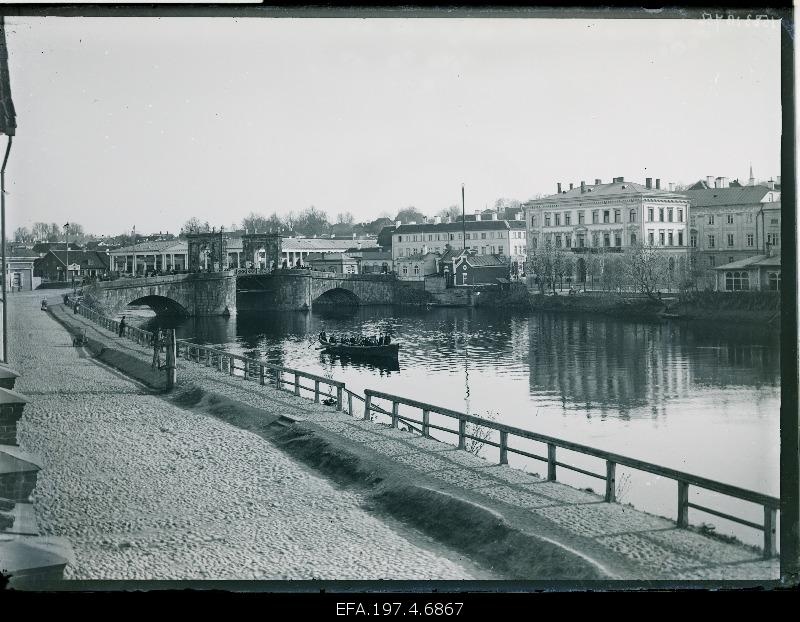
x,y
8,126
463,221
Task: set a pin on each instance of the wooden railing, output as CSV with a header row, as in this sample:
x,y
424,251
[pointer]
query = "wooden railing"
x,y
264,373
770,504
142,337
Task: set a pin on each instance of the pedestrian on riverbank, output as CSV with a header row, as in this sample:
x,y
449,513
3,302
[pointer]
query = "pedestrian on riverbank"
x,y
122,327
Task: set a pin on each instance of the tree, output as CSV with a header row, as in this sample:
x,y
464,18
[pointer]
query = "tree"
x,y
345,218
255,223
193,225
453,213
378,224
312,221
541,263
410,214
647,268
21,234
563,265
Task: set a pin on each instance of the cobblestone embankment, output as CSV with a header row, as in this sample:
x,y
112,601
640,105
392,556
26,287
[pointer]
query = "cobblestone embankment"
x,y
516,524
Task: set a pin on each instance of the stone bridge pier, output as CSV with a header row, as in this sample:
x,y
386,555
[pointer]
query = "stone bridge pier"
x,y
198,294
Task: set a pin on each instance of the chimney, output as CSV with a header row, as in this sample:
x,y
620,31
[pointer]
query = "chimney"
x,y
597,182
723,182
710,181
583,187
559,187
658,184
477,214
494,215
437,220
648,182
778,180
672,186
412,222
397,223
570,186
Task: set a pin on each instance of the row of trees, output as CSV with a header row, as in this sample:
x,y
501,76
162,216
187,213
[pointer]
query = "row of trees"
x,y
639,268
50,232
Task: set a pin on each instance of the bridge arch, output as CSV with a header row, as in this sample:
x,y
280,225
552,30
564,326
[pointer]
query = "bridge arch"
x,y
161,305
337,296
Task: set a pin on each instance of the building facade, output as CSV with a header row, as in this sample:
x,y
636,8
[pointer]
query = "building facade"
x,y
610,217
758,273
416,267
337,263
68,265
729,224
20,270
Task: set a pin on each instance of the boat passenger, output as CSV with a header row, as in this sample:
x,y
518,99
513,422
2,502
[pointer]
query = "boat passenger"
x,y
323,336
333,339
388,340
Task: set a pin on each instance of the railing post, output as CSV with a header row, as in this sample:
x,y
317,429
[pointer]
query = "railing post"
x,y
367,406
611,481
278,378
316,391
462,431
426,423
770,518
231,365
551,462
219,362
338,398
261,375
349,403
296,383
395,410
683,504
503,447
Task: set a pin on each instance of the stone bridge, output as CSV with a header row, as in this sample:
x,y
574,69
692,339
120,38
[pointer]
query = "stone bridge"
x,y
195,294
302,289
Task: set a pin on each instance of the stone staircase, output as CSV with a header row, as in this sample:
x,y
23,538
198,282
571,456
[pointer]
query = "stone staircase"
x,y
28,560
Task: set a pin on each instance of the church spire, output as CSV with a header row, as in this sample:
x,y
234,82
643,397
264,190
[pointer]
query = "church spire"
x,y
752,179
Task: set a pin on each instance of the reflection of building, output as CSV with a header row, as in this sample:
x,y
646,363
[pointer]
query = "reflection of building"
x,y
758,273
53,265
730,223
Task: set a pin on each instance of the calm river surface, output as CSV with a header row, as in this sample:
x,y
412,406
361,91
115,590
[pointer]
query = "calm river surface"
x,y
699,397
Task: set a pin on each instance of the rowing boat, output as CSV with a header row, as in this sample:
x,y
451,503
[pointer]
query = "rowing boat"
x,y
381,351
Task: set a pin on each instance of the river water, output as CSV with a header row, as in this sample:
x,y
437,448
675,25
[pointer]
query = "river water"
x,y
698,397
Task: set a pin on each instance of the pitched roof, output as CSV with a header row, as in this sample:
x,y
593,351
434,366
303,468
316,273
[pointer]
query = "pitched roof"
x,y
323,244
469,225
94,259
757,260
745,195
486,261
614,188
329,257
156,246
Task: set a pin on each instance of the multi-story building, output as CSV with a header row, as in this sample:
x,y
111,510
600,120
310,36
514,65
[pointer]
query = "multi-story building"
x,y
338,263
731,223
610,217
490,236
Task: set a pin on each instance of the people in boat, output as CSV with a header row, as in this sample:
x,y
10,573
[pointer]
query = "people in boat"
x,y
333,339
387,340
323,336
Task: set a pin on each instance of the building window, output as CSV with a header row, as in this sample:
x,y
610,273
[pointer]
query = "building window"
x,y
650,214
547,220
632,216
581,241
680,215
692,220
650,237
772,238
774,221
606,238
669,237
606,216
483,250
711,241
416,270
711,261
737,281
405,269
533,220
710,219
617,239
399,238
750,239
669,214
595,217
580,218
463,278
557,219
680,238
730,219
774,281
499,250
567,218
595,239
568,241
617,216
730,239
660,214
467,234
558,241
535,243
661,237
633,238
483,236
730,258
693,241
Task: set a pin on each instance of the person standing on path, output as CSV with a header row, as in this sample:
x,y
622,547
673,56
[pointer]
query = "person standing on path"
x,y
122,327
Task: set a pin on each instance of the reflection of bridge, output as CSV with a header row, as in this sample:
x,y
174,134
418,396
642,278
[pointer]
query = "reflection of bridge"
x,y
222,293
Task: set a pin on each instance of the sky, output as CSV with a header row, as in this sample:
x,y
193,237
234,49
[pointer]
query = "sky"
x,y
148,122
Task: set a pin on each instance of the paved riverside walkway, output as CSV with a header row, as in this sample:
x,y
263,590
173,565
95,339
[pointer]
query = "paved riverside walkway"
x,y
619,541
144,489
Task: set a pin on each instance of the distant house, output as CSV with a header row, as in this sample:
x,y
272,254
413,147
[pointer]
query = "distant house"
x,y
338,263
464,268
372,260
757,273
53,265
416,267
20,269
